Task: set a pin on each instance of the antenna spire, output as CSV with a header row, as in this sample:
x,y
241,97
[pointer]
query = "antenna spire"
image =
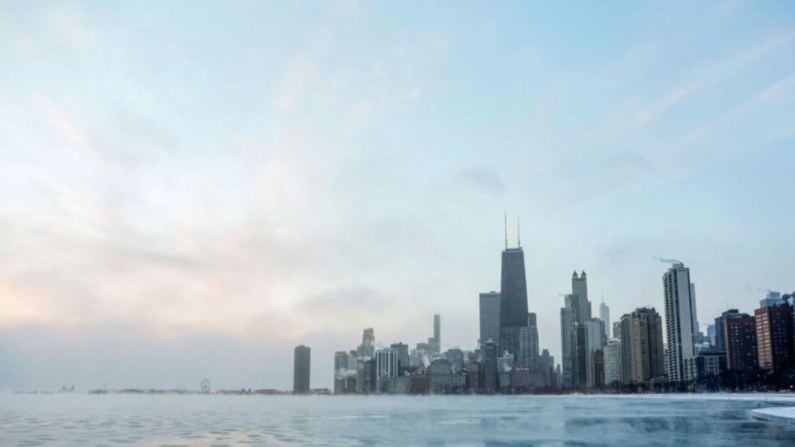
x,y
518,233
506,230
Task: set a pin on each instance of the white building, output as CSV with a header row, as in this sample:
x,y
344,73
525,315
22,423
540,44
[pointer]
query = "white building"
x,y
386,363
681,322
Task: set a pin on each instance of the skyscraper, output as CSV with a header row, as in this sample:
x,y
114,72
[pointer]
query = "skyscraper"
x,y
301,365
489,317
612,357
436,342
594,342
681,324
604,315
513,298
386,363
740,341
641,346
579,286
720,329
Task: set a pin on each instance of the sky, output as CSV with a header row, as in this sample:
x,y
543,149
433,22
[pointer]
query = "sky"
x,y
189,190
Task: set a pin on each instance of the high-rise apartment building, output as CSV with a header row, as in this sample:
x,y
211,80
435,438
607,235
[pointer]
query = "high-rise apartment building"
x,y
720,329
740,341
681,323
774,338
489,317
301,364
612,359
642,355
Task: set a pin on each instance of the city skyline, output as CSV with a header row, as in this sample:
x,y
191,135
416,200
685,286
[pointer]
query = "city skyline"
x,y
199,190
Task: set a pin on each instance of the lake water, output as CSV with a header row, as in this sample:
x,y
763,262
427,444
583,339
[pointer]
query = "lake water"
x,y
121,420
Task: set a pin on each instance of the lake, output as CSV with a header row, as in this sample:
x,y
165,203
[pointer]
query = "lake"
x,y
214,420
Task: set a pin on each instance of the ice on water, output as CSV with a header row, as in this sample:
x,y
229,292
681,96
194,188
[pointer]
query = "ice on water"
x,y
196,420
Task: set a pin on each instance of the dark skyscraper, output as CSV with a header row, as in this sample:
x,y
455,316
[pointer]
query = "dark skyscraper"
x,y
513,298
301,370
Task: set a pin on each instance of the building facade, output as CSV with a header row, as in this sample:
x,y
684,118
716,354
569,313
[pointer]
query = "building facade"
x,y
301,366
513,299
489,317
774,337
681,323
642,355
612,360
740,339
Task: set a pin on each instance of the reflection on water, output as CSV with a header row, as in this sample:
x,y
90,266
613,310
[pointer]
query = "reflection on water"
x,y
114,420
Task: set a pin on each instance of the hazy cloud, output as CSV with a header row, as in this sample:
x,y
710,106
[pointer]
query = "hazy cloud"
x,y
483,178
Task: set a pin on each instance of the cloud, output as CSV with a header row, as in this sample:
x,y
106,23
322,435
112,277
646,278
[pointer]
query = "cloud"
x,y
70,26
300,73
483,178
685,89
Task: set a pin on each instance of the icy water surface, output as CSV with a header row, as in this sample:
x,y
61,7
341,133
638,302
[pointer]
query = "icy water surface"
x,y
116,420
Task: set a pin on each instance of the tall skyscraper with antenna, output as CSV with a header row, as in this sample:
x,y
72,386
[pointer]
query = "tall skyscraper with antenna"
x,y
513,296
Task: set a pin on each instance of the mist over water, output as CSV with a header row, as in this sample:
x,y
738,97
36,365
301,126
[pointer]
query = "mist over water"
x,y
196,420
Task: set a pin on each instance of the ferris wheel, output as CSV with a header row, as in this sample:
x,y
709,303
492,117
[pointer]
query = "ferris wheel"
x,y
205,387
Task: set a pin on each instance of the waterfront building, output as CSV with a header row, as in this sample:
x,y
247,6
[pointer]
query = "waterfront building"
x,y
489,317
528,344
681,322
596,369
301,364
740,335
642,352
705,364
612,362
774,337
579,356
